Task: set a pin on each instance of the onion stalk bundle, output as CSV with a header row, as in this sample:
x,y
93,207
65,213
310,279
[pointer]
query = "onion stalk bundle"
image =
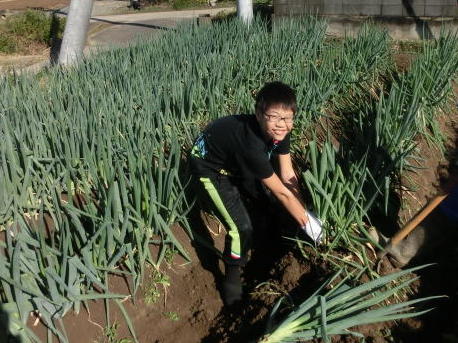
x,y
344,307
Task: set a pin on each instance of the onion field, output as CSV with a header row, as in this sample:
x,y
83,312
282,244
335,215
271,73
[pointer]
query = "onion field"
x,y
93,158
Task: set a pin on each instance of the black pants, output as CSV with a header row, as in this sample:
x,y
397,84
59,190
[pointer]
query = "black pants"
x,y
221,195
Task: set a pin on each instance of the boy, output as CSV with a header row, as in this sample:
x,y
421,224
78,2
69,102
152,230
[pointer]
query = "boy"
x,y
232,155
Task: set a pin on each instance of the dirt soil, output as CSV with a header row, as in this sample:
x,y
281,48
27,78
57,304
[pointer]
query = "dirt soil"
x,y
23,63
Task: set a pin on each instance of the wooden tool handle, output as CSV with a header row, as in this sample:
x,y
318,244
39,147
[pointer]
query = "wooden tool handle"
x,y
412,224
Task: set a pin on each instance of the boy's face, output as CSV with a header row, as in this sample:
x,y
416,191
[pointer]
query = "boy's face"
x,y
276,122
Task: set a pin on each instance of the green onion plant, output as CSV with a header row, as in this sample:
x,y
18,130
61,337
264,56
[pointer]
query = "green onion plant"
x,y
343,306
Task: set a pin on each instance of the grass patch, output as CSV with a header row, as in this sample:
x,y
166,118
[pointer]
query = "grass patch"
x,y
163,5
29,31
7,43
182,4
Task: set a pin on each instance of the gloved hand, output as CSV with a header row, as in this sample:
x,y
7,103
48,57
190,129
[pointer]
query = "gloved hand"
x,y
313,228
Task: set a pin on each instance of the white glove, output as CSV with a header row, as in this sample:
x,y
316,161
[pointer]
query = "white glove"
x,y
313,227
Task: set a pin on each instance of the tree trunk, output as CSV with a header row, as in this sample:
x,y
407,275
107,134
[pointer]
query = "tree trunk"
x,y
75,32
245,10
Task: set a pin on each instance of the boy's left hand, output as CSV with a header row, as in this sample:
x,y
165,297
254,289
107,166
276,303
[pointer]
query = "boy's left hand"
x,y
313,227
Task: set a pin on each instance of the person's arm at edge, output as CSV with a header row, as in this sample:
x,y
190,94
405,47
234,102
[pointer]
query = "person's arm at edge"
x,y
288,176
287,198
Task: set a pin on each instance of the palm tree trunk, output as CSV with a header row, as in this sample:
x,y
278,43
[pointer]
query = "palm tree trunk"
x,y
245,10
75,32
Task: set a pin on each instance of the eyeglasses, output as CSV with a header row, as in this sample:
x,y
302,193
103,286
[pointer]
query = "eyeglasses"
x,y
276,119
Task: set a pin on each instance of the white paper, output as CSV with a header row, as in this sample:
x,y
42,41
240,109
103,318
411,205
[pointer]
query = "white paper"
x,y
313,228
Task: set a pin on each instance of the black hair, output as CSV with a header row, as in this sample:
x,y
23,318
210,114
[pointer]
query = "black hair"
x,y
275,93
